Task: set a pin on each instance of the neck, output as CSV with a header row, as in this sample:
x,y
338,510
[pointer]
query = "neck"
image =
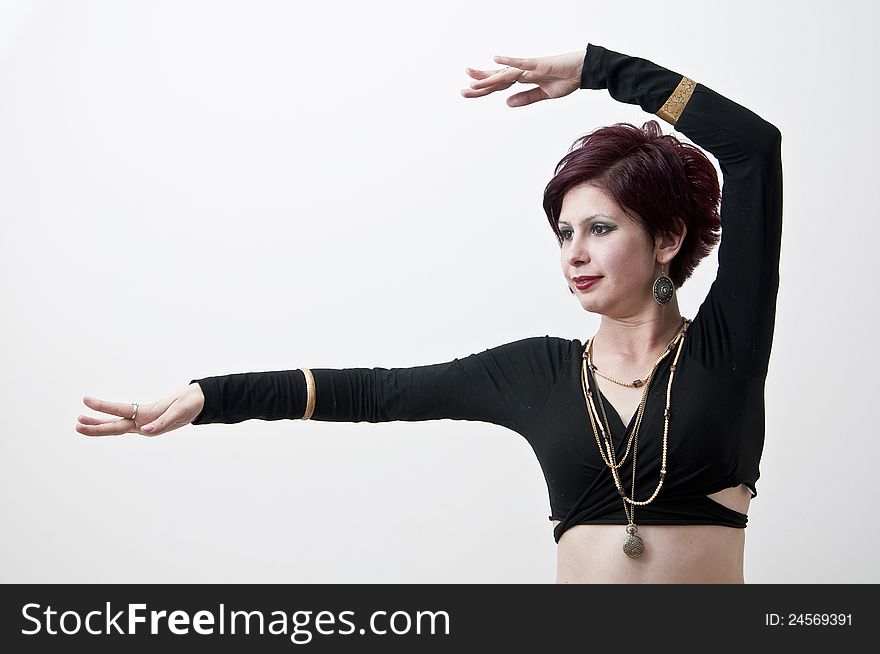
x,y
640,337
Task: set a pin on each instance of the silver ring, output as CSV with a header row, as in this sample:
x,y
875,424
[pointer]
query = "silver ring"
x,y
135,414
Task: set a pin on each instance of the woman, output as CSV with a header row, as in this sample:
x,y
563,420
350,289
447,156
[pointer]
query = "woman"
x,y
650,433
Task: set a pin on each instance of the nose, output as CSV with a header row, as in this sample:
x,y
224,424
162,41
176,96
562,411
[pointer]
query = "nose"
x,y
574,254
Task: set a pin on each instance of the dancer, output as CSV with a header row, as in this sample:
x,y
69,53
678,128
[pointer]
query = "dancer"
x,y
650,432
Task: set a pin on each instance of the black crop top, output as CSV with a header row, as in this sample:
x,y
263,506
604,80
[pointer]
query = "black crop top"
x,y
532,386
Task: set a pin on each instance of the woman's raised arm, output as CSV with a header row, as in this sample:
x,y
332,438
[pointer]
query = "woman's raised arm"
x,y
733,330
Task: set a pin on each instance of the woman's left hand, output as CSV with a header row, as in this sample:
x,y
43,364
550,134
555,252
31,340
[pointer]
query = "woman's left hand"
x,y
555,76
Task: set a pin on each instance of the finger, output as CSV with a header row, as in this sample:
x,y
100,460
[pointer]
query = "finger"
x,y
527,97
500,78
89,420
477,74
166,422
109,428
522,64
121,409
471,93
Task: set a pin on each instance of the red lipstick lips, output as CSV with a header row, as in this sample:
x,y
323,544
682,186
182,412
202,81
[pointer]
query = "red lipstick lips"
x,y
585,281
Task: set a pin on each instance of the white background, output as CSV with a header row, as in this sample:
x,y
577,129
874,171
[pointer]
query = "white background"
x,y
199,188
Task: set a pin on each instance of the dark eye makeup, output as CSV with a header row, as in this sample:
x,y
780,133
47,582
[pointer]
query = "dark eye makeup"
x,y
567,232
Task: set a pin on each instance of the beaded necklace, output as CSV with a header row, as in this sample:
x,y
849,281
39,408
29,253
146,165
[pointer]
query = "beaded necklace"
x,y
634,546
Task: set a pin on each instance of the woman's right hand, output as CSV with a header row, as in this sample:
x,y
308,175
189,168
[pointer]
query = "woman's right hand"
x,y
556,76
176,410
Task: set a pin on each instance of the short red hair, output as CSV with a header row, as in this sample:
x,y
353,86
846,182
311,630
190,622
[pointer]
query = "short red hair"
x,y
651,174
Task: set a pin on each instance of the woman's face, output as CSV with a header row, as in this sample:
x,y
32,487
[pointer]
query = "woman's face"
x,y
600,240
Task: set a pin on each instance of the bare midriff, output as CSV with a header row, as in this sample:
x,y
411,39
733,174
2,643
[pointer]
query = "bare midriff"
x,y
674,554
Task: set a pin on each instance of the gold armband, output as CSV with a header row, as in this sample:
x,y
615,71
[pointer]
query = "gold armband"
x,y
672,108
310,393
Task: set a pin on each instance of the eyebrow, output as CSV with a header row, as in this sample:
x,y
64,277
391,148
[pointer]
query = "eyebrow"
x,y
583,220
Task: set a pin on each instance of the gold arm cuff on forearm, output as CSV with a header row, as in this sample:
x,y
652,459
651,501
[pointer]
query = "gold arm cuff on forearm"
x,y
672,108
310,393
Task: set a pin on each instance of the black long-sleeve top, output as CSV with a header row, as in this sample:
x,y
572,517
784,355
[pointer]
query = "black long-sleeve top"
x,y
533,386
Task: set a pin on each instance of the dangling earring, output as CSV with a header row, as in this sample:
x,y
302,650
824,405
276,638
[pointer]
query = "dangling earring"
x,y
663,288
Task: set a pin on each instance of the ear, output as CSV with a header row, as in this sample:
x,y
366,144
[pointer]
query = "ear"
x,y
666,246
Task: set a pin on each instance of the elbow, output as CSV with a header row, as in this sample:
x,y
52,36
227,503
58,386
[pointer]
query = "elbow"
x,y
769,141
774,137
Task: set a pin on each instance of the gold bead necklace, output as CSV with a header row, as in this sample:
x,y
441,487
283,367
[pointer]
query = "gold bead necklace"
x,y
638,382
634,545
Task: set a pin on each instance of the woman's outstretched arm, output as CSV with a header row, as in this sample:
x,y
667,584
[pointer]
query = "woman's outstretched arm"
x,y
506,385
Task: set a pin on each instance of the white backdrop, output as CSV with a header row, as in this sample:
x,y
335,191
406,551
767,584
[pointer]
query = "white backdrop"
x,y
199,188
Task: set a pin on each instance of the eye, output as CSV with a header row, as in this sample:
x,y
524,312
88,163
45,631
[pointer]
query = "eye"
x,y
598,229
